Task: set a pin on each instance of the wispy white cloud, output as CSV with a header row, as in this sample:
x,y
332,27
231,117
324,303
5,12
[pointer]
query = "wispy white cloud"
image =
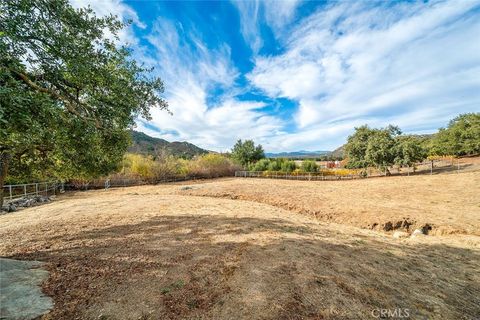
x,y
191,71
249,19
124,12
401,63
276,14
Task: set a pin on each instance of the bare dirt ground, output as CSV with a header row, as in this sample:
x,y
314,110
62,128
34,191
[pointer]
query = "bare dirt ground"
x,y
239,249
448,203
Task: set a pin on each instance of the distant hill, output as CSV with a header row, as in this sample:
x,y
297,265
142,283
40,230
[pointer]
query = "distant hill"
x,y
297,154
338,153
144,144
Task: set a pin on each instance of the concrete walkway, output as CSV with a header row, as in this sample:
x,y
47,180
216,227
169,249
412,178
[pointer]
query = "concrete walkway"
x,y
20,294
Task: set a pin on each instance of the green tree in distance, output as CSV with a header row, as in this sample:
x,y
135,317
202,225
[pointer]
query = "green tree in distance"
x,y
381,147
461,137
372,147
356,147
68,92
409,150
246,152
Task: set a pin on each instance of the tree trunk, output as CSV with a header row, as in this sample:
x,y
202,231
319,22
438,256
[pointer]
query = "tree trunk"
x,y
4,158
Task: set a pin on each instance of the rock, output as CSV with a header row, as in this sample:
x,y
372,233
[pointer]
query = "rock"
x,y
400,234
25,202
398,224
388,226
186,188
417,233
407,224
426,228
9,208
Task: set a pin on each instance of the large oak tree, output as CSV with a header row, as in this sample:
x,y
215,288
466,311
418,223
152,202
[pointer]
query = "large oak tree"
x,y
68,91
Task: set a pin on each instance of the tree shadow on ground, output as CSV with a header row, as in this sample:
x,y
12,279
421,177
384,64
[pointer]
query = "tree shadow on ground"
x,y
212,267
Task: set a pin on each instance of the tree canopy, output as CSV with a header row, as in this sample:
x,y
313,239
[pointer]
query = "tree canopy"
x,y
369,146
382,148
246,152
409,150
68,90
461,137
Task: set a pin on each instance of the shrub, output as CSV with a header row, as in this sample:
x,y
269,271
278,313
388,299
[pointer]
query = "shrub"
x,y
275,165
288,166
212,165
139,166
309,166
261,165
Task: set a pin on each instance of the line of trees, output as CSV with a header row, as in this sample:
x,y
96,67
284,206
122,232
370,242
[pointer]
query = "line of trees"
x,y
387,146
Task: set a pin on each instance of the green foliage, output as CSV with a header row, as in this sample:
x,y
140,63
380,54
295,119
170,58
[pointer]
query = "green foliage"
x,y
246,152
275,165
288,166
409,150
67,92
261,165
380,150
356,147
461,137
309,166
376,147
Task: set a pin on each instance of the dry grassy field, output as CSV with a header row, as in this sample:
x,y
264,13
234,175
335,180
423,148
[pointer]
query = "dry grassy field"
x,y
258,249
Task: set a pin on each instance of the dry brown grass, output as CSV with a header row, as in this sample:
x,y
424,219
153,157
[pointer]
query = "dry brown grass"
x,y
161,252
450,203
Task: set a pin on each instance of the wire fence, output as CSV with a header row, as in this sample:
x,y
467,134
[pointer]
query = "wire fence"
x,y
17,191
47,188
427,167
119,182
297,176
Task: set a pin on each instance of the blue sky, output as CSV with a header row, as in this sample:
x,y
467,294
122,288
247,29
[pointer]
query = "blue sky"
x,y
296,75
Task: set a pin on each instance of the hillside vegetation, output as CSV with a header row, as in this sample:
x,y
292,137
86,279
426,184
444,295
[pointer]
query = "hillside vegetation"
x,y
147,145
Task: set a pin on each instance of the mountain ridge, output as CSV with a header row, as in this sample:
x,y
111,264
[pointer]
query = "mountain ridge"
x,y
145,144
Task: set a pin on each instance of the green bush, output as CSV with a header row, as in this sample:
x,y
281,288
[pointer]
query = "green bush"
x,y
309,166
275,165
289,166
261,165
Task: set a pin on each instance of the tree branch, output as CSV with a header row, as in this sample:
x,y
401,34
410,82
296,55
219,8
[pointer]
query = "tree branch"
x,y
52,93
